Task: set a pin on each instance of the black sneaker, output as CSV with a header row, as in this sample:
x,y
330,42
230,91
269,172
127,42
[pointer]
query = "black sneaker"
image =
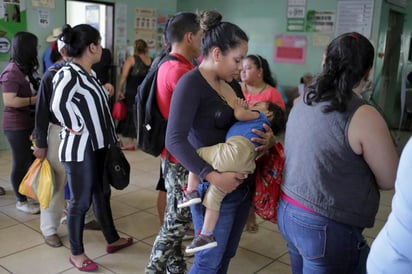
x,y
201,242
190,198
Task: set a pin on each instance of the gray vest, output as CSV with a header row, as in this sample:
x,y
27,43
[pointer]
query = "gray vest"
x,y
321,170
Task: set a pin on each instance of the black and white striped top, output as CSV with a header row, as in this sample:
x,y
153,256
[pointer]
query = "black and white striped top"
x,y
80,103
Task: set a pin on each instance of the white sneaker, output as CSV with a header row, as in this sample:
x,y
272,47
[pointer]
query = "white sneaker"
x,y
190,198
28,208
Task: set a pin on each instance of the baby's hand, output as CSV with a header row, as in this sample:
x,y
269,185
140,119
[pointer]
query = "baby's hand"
x,y
239,102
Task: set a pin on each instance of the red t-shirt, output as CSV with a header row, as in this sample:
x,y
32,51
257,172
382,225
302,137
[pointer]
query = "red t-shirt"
x,y
167,77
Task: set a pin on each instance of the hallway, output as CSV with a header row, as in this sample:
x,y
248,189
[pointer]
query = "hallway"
x,y
22,249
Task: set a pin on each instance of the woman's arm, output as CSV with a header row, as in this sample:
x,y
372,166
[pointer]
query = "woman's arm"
x,y
226,181
10,99
128,64
181,118
16,88
42,115
369,136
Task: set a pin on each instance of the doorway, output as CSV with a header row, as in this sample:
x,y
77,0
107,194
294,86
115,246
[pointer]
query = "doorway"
x,y
100,16
97,14
388,99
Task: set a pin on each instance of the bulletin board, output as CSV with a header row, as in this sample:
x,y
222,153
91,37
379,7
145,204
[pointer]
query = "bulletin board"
x,y
355,16
290,48
145,26
12,20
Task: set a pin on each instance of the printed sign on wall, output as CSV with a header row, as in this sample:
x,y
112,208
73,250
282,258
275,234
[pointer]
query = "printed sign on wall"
x,y
12,20
320,21
355,16
296,15
290,48
145,26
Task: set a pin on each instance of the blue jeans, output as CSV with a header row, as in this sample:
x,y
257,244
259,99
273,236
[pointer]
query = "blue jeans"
x,y
318,245
232,219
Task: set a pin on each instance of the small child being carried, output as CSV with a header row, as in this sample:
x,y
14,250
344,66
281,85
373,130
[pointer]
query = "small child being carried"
x,y
236,154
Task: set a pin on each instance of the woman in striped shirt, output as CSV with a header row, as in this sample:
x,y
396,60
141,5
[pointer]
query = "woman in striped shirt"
x,y
80,103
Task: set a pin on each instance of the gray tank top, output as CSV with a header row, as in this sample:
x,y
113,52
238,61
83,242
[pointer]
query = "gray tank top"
x,y
321,170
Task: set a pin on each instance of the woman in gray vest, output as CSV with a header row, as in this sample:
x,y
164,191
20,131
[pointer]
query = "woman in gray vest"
x,y
339,154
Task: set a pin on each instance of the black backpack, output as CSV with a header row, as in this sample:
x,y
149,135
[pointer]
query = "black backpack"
x,y
150,124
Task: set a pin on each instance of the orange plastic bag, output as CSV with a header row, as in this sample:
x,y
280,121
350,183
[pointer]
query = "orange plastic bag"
x,y
44,186
26,185
39,183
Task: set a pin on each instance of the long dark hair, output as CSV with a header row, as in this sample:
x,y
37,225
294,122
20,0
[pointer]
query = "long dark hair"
x,y
24,51
348,58
24,54
78,38
223,35
261,62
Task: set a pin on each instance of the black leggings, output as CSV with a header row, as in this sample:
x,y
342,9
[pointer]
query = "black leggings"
x,y
86,185
22,157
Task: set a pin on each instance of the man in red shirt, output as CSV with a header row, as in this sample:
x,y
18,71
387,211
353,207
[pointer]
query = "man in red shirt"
x,y
184,35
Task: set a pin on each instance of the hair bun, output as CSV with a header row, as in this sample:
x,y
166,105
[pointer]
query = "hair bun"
x,y
210,19
67,33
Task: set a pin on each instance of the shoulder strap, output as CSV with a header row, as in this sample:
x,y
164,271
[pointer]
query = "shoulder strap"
x,y
166,58
137,59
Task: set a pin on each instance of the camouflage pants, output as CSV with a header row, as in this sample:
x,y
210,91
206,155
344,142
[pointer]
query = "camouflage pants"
x,y
167,255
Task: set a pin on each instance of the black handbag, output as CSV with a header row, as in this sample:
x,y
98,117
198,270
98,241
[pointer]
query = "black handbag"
x,y
117,168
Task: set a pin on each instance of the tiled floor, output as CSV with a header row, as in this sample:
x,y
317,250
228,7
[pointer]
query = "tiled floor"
x,y
22,249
